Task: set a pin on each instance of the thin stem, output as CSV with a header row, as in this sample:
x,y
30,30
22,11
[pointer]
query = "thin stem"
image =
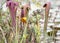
x,y
3,35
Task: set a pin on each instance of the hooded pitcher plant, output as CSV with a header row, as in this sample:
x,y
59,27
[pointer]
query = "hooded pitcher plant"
x,y
47,8
12,8
24,19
